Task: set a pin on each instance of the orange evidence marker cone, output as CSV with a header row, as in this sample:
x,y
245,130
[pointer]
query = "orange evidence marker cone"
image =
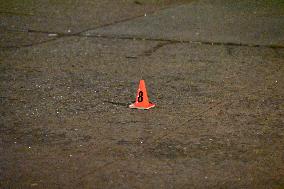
x,y
142,101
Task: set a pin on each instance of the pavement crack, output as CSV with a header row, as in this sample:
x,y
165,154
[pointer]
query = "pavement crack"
x,y
112,23
28,45
163,41
129,19
157,47
171,41
138,2
16,13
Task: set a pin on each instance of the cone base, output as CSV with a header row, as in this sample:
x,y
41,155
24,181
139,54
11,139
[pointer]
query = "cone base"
x,y
146,107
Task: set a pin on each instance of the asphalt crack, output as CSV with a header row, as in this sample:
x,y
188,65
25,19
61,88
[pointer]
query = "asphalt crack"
x,y
155,48
149,52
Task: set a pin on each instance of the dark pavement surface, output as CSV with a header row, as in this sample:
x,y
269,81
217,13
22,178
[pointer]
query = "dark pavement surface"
x,y
64,116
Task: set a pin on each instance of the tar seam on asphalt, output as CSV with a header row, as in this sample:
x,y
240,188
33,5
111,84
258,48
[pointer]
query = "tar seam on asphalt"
x,y
170,41
16,13
155,48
